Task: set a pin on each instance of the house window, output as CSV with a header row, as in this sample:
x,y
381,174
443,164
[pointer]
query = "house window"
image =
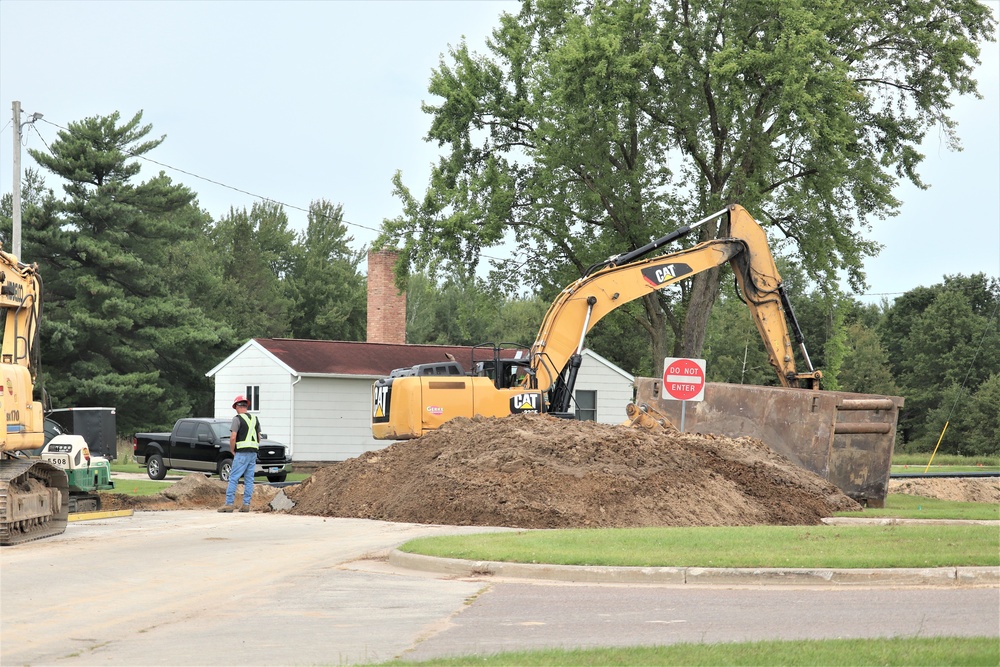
x,y
586,405
253,397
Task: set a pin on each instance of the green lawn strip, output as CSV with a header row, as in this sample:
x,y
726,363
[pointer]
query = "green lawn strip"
x,y
135,468
148,487
757,546
942,462
901,506
132,467
936,470
137,487
297,477
910,651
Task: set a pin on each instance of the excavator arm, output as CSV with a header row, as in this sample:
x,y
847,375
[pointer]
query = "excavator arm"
x,y
20,292
414,400
555,355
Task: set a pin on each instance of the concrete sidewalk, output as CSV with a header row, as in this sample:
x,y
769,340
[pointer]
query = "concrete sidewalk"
x,y
707,576
701,576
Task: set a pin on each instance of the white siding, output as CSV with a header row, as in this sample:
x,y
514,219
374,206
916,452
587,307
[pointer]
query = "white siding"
x,y
329,418
333,419
254,367
613,386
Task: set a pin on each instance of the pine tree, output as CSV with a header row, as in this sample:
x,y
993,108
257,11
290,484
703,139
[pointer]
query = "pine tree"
x,y
119,328
325,285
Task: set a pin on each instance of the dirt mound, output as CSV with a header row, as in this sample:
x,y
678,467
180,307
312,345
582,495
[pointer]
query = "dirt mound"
x,y
966,489
536,471
191,492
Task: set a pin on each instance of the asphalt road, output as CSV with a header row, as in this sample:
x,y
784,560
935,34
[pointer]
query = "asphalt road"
x,y
202,588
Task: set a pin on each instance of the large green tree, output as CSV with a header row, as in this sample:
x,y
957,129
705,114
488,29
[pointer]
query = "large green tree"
x,y
590,127
943,343
325,285
257,251
464,311
866,366
119,328
33,193
733,349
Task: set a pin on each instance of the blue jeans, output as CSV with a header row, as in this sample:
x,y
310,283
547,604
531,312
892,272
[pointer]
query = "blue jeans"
x,y
244,464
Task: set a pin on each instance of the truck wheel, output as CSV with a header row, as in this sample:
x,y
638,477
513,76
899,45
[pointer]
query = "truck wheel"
x,y
280,477
225,467
154,467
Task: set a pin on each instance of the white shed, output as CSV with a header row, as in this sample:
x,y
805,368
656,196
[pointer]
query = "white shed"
x,y
315,396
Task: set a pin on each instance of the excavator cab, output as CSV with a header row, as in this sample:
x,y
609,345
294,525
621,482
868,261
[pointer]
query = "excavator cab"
x,y
506,364
412,401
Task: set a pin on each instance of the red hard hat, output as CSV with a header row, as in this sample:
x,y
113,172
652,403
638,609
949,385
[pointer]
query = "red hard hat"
x,y
240,399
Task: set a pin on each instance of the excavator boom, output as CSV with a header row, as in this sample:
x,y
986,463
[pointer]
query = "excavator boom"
x,y
412,401
583,303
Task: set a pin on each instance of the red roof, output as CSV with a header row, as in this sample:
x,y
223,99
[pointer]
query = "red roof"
x,y
374,359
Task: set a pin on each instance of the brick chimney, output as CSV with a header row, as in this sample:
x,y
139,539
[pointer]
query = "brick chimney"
x,y
386,304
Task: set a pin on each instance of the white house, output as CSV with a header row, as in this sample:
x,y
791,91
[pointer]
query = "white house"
x,y
315,396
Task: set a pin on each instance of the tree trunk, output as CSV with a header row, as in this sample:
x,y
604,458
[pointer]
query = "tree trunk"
x,y
704,290
660,335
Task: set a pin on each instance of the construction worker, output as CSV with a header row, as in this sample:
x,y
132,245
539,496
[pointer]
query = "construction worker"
x,y
244,441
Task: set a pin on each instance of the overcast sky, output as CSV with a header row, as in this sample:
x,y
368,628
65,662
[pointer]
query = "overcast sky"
x,y
297,101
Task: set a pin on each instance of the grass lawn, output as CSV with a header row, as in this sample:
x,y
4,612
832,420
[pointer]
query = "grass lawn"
x,y
757,546
138,487
908,651
135,468
920,469
902,506
945,462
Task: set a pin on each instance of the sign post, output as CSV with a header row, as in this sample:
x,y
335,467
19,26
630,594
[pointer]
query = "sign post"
x,y
684,380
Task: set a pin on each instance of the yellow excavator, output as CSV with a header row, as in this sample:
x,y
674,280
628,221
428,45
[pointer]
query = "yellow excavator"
x,y
412,401
34,494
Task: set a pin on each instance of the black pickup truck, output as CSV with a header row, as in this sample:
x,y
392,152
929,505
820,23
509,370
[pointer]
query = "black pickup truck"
x,y
201,444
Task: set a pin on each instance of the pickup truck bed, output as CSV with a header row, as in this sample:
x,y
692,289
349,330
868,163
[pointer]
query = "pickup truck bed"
x,y
201,444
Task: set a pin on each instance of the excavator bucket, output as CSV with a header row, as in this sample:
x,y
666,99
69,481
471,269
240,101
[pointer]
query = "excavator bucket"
x,y
846,438
645,417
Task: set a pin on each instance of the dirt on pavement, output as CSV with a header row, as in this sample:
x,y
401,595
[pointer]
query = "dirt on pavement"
x,y
536,471
190,492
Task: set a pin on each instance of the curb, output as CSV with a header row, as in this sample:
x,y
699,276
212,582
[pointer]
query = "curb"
x,y
703,576
888,521
105,514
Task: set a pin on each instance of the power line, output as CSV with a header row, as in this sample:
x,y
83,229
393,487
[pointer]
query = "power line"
x,y
226,185
209,180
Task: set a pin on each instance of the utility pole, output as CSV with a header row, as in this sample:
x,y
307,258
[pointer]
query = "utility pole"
x,y
16,192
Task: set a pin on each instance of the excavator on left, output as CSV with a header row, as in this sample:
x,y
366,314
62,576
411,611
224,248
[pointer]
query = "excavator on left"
x,y
34,494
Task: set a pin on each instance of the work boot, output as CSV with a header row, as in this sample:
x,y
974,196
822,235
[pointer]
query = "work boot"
x,y
226,508
245,508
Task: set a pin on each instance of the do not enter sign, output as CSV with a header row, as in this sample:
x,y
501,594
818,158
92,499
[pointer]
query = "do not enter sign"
x,y
684,379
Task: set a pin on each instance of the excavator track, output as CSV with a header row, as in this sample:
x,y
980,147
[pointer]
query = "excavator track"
x,y
33,501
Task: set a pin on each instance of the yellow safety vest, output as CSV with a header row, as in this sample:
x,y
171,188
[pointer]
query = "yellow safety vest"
x,y
251,441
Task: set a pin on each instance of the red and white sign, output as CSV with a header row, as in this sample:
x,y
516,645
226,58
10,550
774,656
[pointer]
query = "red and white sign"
x,y
684,379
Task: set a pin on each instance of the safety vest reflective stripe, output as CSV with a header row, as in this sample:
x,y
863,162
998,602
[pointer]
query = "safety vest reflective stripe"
x,y
251,440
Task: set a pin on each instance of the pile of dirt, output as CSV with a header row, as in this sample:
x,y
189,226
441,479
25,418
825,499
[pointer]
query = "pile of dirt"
x,y
190,492
967,489
536,471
